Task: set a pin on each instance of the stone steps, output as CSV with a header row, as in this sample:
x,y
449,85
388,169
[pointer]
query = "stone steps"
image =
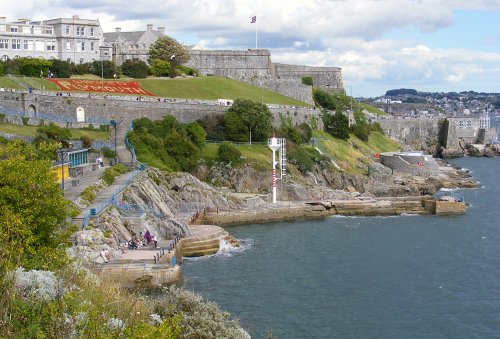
x,y
207,244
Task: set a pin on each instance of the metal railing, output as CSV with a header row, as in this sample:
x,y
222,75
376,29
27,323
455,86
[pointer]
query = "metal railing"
x,y
110,201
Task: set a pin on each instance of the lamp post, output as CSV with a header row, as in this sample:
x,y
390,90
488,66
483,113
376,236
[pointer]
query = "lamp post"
x,y
103,52
274,146
62,154
114,123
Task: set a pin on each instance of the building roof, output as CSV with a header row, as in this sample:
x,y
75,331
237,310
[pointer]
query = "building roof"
x,y
129,37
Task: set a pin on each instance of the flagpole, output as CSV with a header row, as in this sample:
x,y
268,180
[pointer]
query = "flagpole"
x,y
256,24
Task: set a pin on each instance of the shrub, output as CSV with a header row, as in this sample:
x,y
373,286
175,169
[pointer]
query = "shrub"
x,y
1,70
187,70
88,193
108,153
135,68
61,68
160,68
228,153
86,141
33,67
301,158
307,80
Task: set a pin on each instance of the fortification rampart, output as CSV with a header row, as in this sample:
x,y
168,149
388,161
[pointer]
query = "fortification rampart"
x,y
255,66
126,108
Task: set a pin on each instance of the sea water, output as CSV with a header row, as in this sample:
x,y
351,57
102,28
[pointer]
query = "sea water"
x,y
366,277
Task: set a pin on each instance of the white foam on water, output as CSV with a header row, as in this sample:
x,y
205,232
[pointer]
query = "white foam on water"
x,y
444,189
227,250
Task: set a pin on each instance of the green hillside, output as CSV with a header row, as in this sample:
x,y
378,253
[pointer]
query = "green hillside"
x,y
213,88
350,154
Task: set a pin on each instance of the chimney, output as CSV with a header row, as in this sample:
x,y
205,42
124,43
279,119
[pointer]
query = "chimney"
x,y
161,30
2,19
118,30
150,27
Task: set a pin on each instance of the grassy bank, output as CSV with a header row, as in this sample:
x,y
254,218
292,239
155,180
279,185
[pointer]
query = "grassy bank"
x,y
30,131
350,154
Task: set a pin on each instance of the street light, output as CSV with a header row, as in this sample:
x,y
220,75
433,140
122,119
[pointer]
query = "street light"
x,y
114,123
62,155
102,55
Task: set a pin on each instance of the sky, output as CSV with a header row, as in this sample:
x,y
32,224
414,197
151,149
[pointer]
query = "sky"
x,y
428,45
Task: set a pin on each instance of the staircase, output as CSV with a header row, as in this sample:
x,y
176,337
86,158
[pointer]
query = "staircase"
x,y
206,244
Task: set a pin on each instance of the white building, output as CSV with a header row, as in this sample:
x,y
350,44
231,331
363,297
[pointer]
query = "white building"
x,y
75,40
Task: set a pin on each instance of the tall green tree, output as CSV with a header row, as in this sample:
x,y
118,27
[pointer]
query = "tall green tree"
x,y
336,124
247,118
33,228
168,49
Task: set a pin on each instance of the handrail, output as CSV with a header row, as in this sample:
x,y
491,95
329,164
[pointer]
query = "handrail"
x,y
113,200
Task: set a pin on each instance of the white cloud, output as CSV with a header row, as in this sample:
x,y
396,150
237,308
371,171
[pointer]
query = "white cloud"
x,y
347,33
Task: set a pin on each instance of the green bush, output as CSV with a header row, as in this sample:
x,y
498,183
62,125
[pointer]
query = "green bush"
x,y
34,67
108,153
112,172
187,70
1,70
86,141
135,68
228,153
307,80
61,68
160,68
88,194
302,158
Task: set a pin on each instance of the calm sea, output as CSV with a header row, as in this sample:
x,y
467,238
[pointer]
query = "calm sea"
x,y
366,277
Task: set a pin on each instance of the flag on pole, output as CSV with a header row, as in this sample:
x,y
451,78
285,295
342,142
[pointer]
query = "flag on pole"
x,y
254,19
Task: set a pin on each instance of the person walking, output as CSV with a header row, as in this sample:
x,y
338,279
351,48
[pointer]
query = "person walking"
x,y
155,240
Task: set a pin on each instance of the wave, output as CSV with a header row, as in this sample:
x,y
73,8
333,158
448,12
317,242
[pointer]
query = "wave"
x,y
227,250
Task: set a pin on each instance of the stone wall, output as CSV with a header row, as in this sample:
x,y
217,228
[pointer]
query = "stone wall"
x,y
100,109
419,165
254,66
406,131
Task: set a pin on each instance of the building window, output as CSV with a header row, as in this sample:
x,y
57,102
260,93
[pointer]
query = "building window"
x,y
80,31
92,31
469,123
16,44
51,45
81,61
68,30
14,28
4,43
5,58
82,46
68,46
460,123
47,30
92,46
27,44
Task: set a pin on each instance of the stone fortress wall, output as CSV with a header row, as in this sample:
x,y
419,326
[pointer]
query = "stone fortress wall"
x,y
100,108
254,66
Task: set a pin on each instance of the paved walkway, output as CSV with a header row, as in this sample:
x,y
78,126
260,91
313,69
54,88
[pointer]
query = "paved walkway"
x,y
103,199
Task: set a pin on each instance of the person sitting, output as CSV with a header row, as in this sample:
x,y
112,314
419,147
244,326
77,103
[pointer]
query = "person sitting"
x,y
132,245
148,237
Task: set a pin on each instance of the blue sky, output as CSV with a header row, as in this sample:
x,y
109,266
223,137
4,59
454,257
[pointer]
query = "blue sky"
x,y
429,45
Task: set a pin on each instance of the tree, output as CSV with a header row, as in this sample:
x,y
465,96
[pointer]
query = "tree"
x,y
105,67
33,212
168,49
247,116
61,68
135,68
336,124
34,67
53,134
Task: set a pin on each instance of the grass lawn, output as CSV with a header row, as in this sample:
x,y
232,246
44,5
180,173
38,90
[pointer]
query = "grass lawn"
x,y
8,83
350,153
213,88
259,156
30,131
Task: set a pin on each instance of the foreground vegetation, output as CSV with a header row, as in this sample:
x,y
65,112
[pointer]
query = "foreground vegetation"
x,y
45,293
